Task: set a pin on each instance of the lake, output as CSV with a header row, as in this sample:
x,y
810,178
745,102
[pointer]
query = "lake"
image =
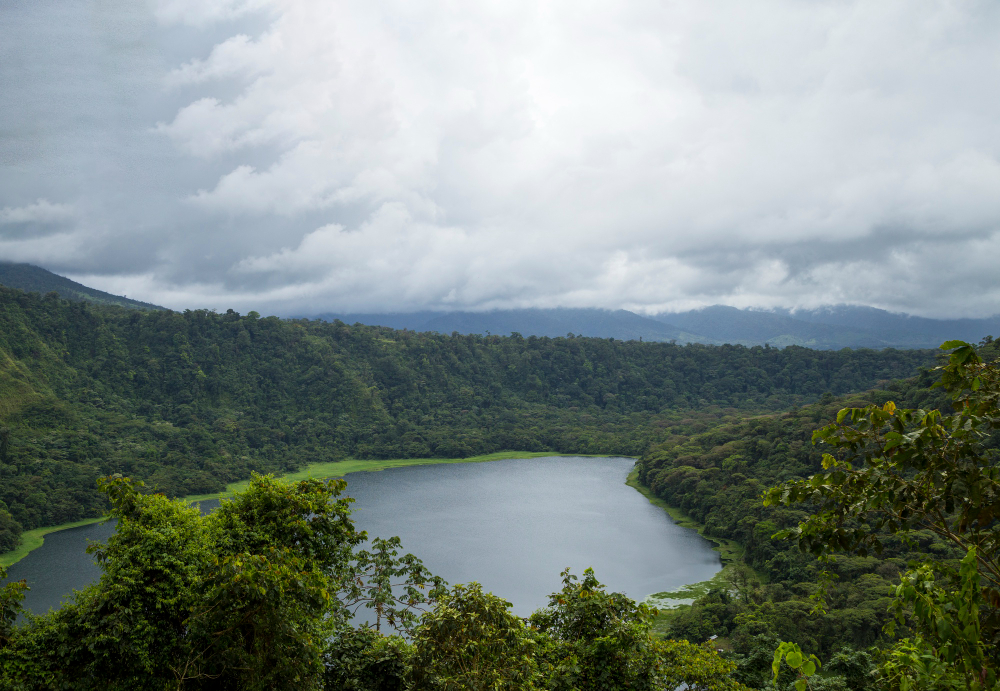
x,y
512,525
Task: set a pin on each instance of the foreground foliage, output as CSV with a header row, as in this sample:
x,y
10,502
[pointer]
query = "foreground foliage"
x,y
260,594
897,472
888,568
245,595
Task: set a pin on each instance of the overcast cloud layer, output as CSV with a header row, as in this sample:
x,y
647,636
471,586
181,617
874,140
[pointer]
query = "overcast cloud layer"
x,y
297,156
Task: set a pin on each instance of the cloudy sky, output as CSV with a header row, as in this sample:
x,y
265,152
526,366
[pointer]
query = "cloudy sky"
x,y
301,156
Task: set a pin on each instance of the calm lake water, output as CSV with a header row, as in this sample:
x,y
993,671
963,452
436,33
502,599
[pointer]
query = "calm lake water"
x,y
512,525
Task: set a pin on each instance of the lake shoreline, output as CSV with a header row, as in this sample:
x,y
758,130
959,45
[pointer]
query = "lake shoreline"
x,y
35,538
729,551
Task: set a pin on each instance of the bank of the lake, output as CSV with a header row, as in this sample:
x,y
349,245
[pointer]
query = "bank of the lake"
x,y
322,471
33,539
729,551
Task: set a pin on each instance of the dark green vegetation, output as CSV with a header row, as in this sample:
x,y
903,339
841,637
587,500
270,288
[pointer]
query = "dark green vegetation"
x,y
257,596
34,279
553,323
892,532
888,574
188,402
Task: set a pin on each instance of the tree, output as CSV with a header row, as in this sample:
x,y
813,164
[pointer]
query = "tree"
x,y
11,595
361,659
242,598
602,641
899,471
471,641
395,588
10,531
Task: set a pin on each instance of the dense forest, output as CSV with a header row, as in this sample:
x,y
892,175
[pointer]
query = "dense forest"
x,y
95,401
188,402
718,473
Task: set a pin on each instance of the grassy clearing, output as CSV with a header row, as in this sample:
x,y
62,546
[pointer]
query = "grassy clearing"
x,y
340,468
33,539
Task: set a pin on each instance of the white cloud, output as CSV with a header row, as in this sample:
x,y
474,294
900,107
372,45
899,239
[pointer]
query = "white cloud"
x,y
239,56
202,13
54,250
42,211
357,155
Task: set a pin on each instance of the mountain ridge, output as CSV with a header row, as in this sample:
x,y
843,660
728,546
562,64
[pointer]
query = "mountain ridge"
x,y
829,327
35,279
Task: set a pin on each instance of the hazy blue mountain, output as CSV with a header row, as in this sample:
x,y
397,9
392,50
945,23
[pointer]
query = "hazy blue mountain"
x,y
838,326
34,279
902,329
754,327
828,328
598,323
560,322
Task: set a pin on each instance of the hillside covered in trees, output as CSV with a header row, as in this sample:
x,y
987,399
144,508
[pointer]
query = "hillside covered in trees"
x,y
259,593
188,402
718,473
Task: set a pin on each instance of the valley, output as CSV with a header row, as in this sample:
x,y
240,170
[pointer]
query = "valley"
x,y
192,404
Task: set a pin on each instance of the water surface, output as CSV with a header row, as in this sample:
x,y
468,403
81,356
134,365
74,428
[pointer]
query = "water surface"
x,y
512,525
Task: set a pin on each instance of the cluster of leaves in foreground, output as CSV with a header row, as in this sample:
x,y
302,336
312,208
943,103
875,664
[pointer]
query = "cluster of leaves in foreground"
x,y
188,402
260,595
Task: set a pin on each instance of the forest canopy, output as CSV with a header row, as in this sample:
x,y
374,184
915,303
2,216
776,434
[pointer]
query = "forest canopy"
x,y
887,502
188,402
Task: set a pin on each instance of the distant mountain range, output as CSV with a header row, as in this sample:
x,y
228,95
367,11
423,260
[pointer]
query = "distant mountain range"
x,y
826,328
840,326
34,279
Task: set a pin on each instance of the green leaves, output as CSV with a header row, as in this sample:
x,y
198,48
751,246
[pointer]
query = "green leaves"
x,y
395,588
948,345
11,595
804,665
471,640
242,595
593,640
948,618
